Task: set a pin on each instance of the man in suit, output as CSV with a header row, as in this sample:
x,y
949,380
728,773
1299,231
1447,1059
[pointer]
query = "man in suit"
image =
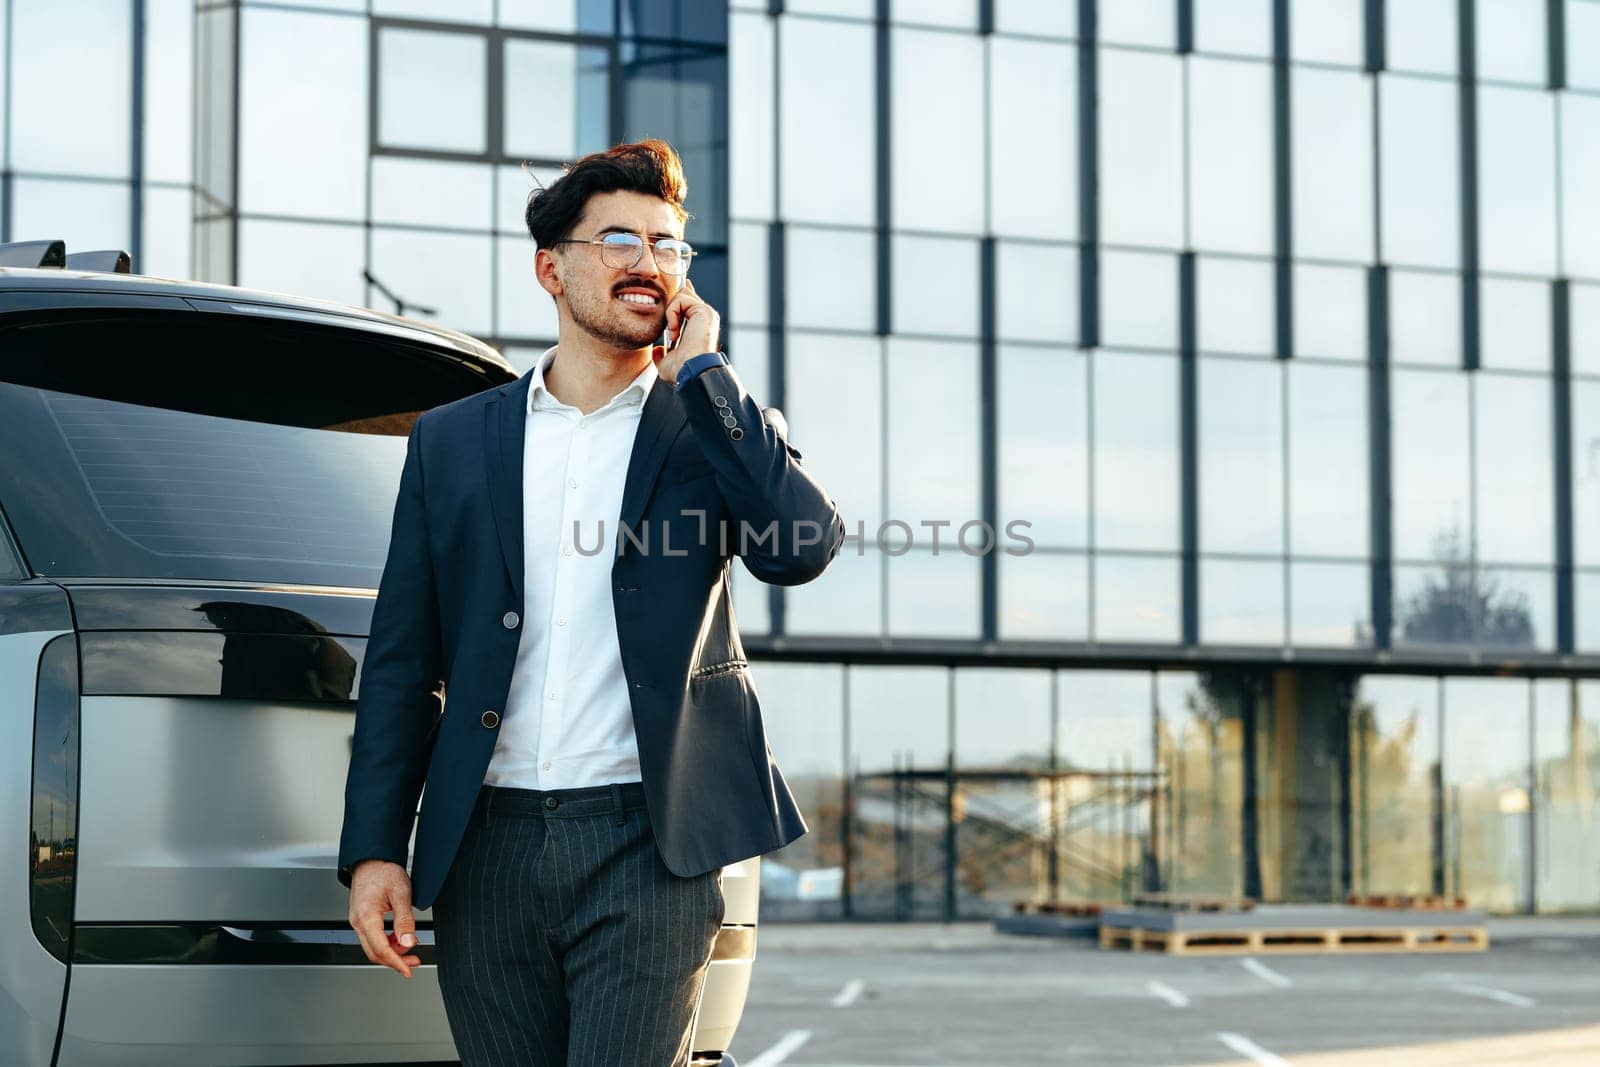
x,y
559,565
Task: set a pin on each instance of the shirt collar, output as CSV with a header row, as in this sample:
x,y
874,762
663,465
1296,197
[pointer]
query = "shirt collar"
x,y
631,395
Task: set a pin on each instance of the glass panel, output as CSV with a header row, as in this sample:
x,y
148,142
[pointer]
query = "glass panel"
x,y
1486,791
1033,116
1243,27
86,215
427,192
523,309
272,255
1241,603
1566,729
748,349
842,427
848,598
168,93
1421,36
748,303
168,234
1516,180
937,99
855,9
849,262
1135,598
1036,292
899,718
1511,40
802,710
950,306
750,125
1201,742
69,62
1586,593
1421,214
1137,22
960,14
1141,143
1586,472
1519,608
752,606
1328,474
1105,720
431,90
823,118
1044,18
559,16
1329,605
932,432
1135,450
1241,456
1044,444
1002,719
1327,31
935,596
1580,177
1330,312
1514,320
1394,756
1044,596
1331,166
1230,155
1512,455
1584,308
557,99
1425,318
447,272
1583,44
443,10
1139,299
1431,452
1237,305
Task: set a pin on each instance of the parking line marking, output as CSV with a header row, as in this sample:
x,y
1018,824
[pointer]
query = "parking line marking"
x,y
1250,1050
1168,994
847,996
787,1046
1265,973
1516,1000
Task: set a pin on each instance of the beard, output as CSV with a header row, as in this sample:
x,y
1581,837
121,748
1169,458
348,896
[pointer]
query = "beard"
x,y
599,316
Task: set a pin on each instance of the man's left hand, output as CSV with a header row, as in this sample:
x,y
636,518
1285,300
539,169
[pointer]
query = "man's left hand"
x,y
693,328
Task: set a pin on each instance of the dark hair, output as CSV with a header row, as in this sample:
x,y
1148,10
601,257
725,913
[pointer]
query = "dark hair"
x,y
650,167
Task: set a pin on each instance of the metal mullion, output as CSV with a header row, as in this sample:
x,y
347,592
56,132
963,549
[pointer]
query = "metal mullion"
x,y
1283,193
1376,55
1379,489
882,166
990,430
137,110
1555,21
777,315
1561,418
1185,26
1188,445
1467,60
1088,178
494,82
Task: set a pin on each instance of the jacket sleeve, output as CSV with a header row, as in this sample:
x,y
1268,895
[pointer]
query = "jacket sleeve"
x,y
785,527
400,676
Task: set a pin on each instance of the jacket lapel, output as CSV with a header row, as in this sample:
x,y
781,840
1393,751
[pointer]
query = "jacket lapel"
x,y
505,428
659,424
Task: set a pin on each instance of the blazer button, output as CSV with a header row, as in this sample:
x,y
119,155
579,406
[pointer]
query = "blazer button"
x,y
510,620
720,401
491,719
736,433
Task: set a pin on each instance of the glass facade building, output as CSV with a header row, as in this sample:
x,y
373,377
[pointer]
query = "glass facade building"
x,y
1259,341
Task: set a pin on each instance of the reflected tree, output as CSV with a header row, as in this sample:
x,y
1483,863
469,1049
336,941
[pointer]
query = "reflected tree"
x,y
1461,605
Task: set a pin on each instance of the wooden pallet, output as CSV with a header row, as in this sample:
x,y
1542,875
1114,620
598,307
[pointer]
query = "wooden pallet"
x,y
1318,940
1407,902
1174,902
1076,909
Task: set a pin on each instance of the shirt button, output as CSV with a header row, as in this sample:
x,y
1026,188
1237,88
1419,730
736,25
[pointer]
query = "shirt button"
x,y
509,620
561,622
545,766
573,483
567,551
553,694
491,719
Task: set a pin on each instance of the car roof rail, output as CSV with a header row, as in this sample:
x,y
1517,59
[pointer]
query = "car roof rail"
x,y
33,254
104,260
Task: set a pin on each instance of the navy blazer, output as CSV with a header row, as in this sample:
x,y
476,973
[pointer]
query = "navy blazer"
x,y
454,573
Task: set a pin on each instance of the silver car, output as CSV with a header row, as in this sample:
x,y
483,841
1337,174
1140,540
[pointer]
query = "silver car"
x,y
196,484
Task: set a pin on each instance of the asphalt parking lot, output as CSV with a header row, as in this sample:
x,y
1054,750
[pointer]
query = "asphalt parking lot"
x,y
846,995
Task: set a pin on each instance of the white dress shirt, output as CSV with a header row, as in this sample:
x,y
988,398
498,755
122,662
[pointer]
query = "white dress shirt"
x,y
568,721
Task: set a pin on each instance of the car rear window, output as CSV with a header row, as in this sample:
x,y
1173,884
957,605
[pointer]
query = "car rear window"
x,y
300,492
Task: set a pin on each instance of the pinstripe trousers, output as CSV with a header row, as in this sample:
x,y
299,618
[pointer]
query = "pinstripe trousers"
x,y
563,940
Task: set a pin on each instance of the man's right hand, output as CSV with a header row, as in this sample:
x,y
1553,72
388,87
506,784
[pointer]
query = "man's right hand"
x,y
378,887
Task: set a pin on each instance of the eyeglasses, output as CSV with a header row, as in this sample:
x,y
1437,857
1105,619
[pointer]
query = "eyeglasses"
x,y
620,251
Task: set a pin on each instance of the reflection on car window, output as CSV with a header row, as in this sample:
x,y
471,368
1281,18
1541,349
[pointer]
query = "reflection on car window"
x,y
112,489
